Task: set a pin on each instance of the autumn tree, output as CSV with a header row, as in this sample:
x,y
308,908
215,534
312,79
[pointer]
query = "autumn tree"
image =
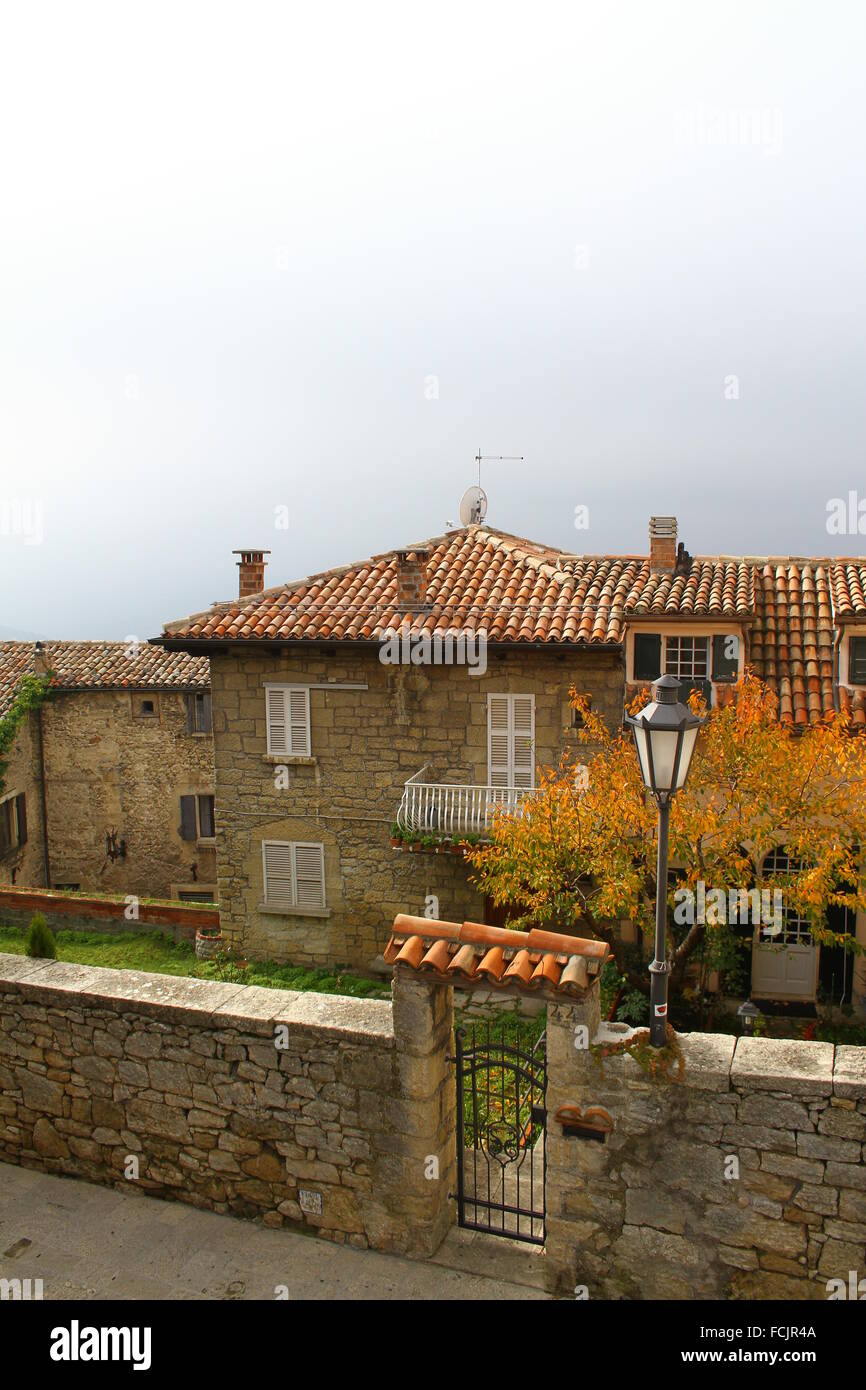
x,y
580,852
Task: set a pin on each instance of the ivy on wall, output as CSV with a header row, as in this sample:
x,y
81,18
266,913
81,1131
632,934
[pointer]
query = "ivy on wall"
x,y
30,694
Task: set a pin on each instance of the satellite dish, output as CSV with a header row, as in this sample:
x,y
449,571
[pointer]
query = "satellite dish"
x,y
473,506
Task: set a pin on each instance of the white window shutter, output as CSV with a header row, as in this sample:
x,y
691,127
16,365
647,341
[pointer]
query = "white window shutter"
x,y
498,768
298,700
309,875
278,728
523,741
277,863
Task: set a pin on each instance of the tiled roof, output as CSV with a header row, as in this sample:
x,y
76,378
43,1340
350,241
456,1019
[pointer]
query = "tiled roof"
x,y
474,956
515,590
478,579
791,640
102,666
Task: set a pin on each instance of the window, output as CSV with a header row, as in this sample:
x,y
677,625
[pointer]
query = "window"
x,y
187,897
294,874
13,822
199,717
857,661
796,930
288,716
511,741
686,658
197,817
147,708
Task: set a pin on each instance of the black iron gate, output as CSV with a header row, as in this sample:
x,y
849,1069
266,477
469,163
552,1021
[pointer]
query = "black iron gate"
x,y
501,1084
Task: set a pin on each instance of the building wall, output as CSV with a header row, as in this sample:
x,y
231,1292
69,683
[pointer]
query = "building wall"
x,y
365,744
314,1112
109,767
25,864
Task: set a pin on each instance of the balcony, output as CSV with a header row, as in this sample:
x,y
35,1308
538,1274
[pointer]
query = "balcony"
x,y
448,809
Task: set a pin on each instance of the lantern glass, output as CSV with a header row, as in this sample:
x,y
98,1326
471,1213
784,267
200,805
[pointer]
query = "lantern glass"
x,y
689,737
663,743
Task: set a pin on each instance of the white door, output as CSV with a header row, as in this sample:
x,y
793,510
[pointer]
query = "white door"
x,y
788,970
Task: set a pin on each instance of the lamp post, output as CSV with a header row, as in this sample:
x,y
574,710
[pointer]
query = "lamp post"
x,y
665,734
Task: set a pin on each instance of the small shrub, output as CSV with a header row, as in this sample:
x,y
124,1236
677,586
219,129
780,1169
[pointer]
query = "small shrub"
x,y
40,939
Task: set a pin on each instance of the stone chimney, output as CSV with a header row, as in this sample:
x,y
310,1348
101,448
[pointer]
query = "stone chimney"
x,y
251,567
40,665
663,542
412,579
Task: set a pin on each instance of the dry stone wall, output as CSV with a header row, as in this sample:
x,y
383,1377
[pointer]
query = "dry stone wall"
x,y
334,1130
743,1179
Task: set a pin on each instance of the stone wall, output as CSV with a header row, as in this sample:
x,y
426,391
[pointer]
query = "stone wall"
x,y
77,912
365,744
333,1131
745,1179
110,766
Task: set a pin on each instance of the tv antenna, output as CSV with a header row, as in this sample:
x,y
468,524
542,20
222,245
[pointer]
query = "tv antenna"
x,y
495,458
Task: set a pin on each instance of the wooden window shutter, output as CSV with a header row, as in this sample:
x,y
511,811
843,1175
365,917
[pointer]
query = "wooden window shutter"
x,y
523,741
21,816
278,733
298,700
647,656
309,875
206,817
187,818
190,713
277,873
857,661
498,768
726,667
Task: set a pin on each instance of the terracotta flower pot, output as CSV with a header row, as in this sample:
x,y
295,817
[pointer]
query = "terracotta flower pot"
x,y
208,944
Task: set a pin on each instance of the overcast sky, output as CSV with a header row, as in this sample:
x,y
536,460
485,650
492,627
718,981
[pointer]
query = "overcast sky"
x,y
311,258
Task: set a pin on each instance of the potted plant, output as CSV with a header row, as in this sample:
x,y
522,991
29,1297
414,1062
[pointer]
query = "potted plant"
x,y
396,836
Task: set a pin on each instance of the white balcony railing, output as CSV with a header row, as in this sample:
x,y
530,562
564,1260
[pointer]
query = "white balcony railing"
x,y
446,809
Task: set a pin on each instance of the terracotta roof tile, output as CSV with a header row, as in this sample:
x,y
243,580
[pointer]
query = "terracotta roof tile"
x,y
472,954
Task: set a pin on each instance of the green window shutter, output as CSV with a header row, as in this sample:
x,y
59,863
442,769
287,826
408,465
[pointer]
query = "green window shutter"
x,y
857,661
726,657
21,813
647,656
187,818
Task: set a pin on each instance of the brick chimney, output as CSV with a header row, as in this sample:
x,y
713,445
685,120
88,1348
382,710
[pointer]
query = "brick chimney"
x,y
412,579
663,542
251,567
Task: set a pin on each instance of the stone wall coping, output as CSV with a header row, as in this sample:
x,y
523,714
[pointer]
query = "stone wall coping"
x,y
707,1057
183,999
849,1073
781,1064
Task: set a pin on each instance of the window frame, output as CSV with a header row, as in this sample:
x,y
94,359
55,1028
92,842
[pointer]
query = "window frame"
x,y
860,638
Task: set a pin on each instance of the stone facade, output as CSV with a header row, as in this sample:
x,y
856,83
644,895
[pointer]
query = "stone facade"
x,y
308,1110
744,1179
109,765
365,743
25,863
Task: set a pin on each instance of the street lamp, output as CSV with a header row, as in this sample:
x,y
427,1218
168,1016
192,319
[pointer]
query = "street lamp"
x,y
665,734
748,1014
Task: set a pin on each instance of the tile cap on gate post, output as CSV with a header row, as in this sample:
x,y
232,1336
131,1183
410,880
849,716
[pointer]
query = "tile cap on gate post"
x,y
547,963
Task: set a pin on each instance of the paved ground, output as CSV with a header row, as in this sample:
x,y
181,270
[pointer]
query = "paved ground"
x,y
87,1242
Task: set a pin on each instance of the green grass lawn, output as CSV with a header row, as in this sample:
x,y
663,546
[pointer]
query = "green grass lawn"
x,y
160,954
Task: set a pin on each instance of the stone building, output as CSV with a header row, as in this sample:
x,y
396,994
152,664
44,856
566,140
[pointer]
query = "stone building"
x,y
109,784
426,685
